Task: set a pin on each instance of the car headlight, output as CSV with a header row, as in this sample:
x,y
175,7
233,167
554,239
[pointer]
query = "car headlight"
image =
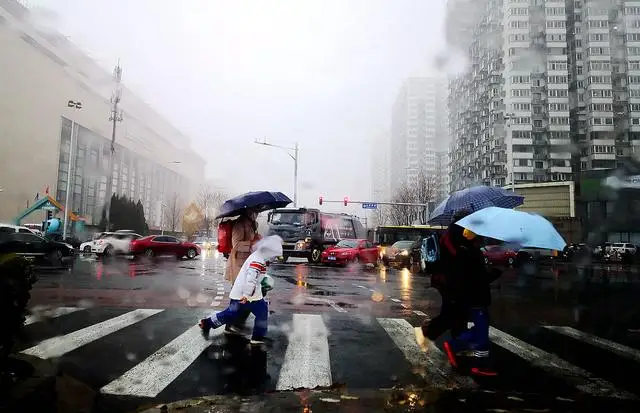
x,y
404,253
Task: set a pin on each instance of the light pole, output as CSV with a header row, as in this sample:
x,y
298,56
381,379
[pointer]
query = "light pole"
x,y
162,199
115,117
162,207
508,117
75,105
295,164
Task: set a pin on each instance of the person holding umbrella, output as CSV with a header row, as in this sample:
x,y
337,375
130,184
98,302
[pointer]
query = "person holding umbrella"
x,y
244,234
461,277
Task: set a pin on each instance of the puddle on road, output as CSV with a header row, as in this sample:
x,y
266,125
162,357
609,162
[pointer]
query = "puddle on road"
x,y
331,293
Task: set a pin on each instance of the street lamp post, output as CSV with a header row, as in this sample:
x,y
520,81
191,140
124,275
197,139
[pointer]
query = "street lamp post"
x,y
162,207
293,156
508,117
75,105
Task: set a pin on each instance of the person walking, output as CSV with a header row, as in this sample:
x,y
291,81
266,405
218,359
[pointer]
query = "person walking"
x,y
247,292
443,273
244,235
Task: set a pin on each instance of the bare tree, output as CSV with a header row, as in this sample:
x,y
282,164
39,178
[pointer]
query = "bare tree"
x,y
173,212
422,191
425,191
402,214
209,200
382,215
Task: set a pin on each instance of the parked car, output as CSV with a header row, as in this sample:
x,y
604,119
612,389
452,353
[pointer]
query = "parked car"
x,y
155,245
39,250
85,247
623,248
403,254
498,254
350,250
114,243
17,228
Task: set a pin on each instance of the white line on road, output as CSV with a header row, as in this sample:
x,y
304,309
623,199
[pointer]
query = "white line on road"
x,y
420,313
554,365
217,297
395,300
619,349
306,361
431,364
57,346
156,372
331,303
215,303
361,286
43,314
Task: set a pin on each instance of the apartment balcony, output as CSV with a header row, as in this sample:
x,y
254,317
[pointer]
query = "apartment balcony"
x,y
602,156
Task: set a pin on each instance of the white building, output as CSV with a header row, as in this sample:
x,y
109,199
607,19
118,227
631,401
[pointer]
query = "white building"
x,y
40,73
418,129
549,90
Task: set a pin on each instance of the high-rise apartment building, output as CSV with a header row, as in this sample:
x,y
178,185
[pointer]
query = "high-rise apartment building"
x,y
418,130
552,88
380,163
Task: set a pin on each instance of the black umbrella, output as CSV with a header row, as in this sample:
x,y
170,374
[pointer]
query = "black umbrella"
x,y
259,201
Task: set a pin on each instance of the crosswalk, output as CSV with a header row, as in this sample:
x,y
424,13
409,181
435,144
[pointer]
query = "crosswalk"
x,y
160,353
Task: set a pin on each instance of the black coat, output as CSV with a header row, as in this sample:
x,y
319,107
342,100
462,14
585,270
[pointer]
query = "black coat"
x,y
460,273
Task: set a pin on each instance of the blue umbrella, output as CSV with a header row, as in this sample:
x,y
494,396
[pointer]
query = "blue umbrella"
x,y
474,199
517,227
259,201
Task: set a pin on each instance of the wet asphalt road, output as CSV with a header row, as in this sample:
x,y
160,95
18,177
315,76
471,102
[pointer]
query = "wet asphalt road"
x,y
127,328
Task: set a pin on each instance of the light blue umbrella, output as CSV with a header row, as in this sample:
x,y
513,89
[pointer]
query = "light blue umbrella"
x,y
517,227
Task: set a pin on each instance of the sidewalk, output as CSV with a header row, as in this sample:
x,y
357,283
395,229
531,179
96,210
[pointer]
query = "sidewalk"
x,y
393,401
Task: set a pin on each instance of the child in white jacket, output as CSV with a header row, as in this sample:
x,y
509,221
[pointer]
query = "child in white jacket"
x,y
246,293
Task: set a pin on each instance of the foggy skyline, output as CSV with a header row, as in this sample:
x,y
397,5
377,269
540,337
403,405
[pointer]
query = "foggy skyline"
x,y
323,73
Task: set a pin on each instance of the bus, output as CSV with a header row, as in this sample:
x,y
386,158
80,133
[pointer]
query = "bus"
x,y
386,236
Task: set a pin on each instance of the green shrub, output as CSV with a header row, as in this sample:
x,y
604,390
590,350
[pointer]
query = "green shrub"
x,y
16,280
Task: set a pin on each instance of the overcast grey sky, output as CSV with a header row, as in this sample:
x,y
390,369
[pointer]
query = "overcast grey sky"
x,y
322,72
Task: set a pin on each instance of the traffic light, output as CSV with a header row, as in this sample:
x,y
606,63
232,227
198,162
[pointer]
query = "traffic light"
x,y
346,200
320,200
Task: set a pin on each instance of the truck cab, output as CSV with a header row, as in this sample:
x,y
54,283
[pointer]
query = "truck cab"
x,y
307,232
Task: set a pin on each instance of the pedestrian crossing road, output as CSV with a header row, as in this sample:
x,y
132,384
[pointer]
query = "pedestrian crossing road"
x,y
160,354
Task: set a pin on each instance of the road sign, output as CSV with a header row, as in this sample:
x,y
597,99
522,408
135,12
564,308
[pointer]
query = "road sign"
x,y
369,205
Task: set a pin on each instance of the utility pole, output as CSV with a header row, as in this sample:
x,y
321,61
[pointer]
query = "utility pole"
x,y
295,164
115,117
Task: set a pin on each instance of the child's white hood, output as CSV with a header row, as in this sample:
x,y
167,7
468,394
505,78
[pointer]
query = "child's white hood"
x,y
267,248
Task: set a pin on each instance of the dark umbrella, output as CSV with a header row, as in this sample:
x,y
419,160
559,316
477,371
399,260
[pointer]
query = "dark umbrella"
x,y
259,201
474,199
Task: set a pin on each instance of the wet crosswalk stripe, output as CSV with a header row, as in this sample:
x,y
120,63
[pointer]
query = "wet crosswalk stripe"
x,y
156,372
576,376
57,346
306,361
432,364
619,349
43,314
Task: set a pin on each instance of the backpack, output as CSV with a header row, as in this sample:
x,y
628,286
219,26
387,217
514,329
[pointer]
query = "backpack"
x,y
225,230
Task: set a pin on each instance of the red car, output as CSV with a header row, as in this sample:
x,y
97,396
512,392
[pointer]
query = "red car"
x,y
350,250
497,254
153,245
